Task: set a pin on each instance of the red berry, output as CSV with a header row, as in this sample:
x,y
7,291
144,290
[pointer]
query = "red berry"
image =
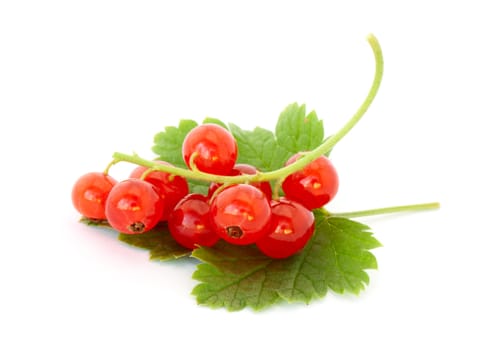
x,y
215,147
190,222
90,192
313,186
241,214
134,206
291,227
172,188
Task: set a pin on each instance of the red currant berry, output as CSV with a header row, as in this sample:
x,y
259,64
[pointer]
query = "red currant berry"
x,y
291,228
90,192
134,206
315,185
190,222
241,214
172,188
215,148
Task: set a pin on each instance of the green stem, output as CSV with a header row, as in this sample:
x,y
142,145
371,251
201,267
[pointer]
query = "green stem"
x,y
388,210
287,170
190,174
109,166
334,139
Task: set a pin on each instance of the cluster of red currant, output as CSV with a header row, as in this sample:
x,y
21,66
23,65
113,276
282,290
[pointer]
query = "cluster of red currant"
x,y
243,213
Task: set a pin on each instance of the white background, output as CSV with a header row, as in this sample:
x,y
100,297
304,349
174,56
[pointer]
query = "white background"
x,y
82,79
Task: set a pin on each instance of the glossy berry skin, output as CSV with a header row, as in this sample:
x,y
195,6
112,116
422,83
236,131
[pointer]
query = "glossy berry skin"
x,y
244,169
313,186
170,187
291,228
190,222
241,214
216,149
90,192
134,206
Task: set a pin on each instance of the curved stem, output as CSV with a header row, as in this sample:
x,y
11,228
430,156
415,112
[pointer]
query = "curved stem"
x,y
287,170
109,166
146,172
334,139
388,210
277,188
192,161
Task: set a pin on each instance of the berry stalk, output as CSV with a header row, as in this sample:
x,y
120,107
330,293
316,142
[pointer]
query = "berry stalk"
x,y
334,139
387,210
287,170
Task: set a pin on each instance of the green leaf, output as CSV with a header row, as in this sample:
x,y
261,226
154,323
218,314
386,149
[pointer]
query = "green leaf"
x,y
297,131
336,257
345,246
259,148
94,222
159,242
198,187
168,143
210,120
233,277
